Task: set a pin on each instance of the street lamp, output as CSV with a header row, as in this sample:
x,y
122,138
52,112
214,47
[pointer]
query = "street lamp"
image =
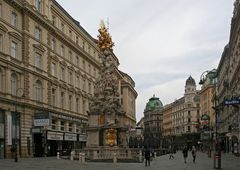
x,y
217,152
19,94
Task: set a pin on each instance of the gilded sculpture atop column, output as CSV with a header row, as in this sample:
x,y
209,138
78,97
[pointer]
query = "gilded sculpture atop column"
x,y
104,38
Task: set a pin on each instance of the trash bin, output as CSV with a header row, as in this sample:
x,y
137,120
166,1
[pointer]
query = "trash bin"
x,y
217,160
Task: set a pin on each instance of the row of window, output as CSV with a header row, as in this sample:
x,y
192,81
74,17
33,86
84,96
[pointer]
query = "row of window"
x,y
38,91
78,83
77,128
39,65
69,99
38,36
38,6
80,42
181,130
74,59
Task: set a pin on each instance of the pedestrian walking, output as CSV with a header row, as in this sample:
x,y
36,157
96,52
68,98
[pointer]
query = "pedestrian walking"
x,y
194,153
185,153
147,154
171,152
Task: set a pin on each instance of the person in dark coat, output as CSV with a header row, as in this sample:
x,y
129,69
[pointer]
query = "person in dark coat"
x,y
171,152
147,154
194,153
185,153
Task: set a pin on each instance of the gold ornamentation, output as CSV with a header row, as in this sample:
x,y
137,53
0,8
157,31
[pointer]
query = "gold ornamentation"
x,y
104,39
111,137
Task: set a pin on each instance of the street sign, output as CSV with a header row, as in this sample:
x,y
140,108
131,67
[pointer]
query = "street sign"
x,y
232,101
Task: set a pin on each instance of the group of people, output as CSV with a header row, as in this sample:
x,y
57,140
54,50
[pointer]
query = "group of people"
x,y
147,154
185,153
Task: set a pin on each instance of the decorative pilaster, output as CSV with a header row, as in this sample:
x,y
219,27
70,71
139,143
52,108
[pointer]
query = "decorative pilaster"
x,y
8,134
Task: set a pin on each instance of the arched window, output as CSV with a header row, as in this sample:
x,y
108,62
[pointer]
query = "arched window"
x,y
38,90
13,84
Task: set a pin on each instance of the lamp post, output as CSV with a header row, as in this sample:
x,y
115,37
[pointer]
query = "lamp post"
x,y
217,152
19,94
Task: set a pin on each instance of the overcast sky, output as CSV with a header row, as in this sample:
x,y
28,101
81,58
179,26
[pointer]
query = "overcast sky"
x,y
159,43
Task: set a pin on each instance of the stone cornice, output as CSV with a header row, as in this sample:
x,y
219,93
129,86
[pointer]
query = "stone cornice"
x,y
39,47
71,68
15,35
63,63
54,57
3,28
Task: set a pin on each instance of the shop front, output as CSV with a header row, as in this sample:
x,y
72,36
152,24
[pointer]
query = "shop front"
x,y
54,143
69,143
82,138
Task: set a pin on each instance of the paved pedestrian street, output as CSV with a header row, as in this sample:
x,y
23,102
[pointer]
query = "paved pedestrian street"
x,y
229,162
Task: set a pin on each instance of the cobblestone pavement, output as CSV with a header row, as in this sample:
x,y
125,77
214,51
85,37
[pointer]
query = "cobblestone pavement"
x,y
229,162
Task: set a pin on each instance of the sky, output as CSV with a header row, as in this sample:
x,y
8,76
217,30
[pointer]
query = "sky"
x,y
159,43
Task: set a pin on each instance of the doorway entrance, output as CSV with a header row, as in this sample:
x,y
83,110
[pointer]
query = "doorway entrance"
x,y
38,145
1,149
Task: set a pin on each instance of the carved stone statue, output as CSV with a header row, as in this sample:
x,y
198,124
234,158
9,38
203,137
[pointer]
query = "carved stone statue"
x,y
105,111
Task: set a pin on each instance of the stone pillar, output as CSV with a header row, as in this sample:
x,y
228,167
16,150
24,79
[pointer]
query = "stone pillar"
x,y
74,128
95,154
66,126
80,157
83,158
8,77
58,125
72,154
140,156
114,157
58,155
26,137
129,153
8,128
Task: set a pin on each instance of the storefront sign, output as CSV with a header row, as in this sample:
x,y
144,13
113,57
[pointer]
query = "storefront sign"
x,y
9,127
41,119
54,136
41,122
70,137
82,138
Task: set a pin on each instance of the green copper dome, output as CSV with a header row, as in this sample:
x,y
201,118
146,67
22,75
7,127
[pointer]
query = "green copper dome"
x,y
154,103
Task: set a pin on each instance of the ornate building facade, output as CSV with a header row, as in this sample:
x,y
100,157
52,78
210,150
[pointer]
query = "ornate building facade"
x,y
48,68
228,88
153,123
185,116
167,126
207,120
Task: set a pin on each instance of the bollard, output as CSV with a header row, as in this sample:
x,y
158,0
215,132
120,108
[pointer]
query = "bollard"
x,y
80,157
71,156
140,156
83,158
114,157
58,157
155,154
217,160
